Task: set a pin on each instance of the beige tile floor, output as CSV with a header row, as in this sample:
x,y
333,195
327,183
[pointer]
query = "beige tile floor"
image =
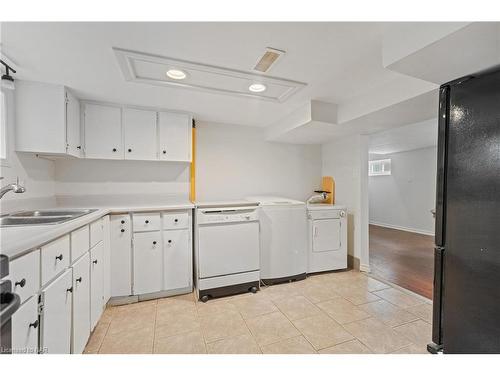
x,y
333,313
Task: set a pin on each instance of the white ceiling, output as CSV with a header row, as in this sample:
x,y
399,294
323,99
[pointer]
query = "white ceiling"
x,y
340,62
405,138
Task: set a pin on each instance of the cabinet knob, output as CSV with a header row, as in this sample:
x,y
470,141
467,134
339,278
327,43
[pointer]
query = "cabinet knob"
x,y
154,242
147,221
122,230
176,220
34,324
129,150
123,221
164,151
59,257
79,280
78,147
169,241
70,289
94,261
21,283
114,150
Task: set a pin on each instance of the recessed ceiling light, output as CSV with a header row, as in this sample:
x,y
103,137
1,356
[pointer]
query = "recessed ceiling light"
x,y
257,87
176,74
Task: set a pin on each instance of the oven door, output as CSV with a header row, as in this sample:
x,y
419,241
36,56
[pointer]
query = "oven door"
x,y
228,248
9,303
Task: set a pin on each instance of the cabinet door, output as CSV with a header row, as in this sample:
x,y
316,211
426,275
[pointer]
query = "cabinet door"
x,y
73,142
178,259
56,315
25,328
326,235
81,304
148,263
103,132
96,284
121,255
106,259
139,132
175,136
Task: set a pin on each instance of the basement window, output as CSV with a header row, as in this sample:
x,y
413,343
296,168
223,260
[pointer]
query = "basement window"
x,y
379,167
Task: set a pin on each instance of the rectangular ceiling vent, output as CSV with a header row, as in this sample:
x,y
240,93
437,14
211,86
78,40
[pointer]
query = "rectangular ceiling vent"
x,y
269,58
169,72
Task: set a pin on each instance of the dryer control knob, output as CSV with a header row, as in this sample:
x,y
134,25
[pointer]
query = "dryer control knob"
x,y
342,213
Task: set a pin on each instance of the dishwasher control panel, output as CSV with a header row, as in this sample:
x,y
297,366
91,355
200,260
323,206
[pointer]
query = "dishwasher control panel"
x,y
213,215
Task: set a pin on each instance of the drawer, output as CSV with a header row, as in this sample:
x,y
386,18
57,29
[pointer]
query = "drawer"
x,y
25,275
55,258
79,242
146,222
175,220
96,232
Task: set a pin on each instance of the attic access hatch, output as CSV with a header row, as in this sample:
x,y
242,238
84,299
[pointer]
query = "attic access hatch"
x,y
151,69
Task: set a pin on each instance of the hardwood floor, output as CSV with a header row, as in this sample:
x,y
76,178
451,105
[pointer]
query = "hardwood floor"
x,y
403,258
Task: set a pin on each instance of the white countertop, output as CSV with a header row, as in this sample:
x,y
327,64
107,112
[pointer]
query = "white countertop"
x,y
16,241
324,206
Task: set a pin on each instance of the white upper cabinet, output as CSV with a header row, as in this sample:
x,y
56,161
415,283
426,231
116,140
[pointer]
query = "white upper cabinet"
x,y
73,133
47,119
103,132
139,133
175,136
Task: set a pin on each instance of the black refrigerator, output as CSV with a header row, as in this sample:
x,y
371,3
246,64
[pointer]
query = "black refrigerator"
x,y
466,311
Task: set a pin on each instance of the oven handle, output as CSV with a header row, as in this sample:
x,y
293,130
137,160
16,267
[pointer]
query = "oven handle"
x,y
13,302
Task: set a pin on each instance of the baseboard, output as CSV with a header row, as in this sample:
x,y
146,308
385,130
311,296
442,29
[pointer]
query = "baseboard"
x,y
406,229
364,268
353,262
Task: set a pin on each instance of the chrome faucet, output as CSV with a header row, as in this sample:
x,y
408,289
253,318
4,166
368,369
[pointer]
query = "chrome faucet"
x,y
16,188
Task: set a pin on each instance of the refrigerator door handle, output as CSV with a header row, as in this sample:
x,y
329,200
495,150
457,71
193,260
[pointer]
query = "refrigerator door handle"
x,y
437,305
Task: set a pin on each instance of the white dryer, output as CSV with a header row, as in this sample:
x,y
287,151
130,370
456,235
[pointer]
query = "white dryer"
x,y
327,237
283,235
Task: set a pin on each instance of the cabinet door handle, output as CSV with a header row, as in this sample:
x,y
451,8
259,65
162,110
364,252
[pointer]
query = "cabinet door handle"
x,y
79,280
70,289
94,261
147,221
59,257
129,150
154,242
21,283
122,230
78,147
123,221
34,324
114,150
164,151
169,241
176,220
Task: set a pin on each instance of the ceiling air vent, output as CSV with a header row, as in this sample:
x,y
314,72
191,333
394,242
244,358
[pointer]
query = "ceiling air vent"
x,y
268,59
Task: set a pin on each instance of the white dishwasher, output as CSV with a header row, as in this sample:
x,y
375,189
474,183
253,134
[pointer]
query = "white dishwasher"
x,y
227,249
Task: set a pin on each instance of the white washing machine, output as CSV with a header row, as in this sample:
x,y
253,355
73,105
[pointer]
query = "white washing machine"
x,y
283,235
327,237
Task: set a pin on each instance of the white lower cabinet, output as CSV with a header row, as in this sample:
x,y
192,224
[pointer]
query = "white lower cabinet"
x,y
177,259
25,328
106,259
81,304
96,284
148,259
121,255
55,329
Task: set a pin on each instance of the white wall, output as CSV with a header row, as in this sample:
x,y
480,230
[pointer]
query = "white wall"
x,y
403,199
346,161
235,161
36,174
120,177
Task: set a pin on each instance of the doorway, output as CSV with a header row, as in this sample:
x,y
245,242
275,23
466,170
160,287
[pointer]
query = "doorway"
x,y
401,193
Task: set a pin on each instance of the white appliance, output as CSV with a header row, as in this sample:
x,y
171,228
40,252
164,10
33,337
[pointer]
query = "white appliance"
x,y
327,237
227,249
283,239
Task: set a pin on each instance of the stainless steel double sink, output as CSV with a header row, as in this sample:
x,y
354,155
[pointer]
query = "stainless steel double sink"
x,y
42,217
